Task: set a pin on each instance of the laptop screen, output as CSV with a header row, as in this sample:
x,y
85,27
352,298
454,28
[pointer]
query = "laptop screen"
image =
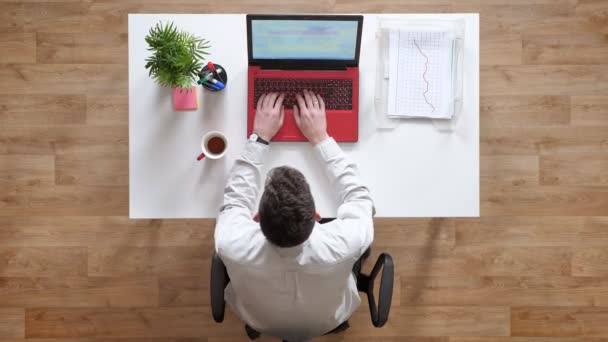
x,y
304,39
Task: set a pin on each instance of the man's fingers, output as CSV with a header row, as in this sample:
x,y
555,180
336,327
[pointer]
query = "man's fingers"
x,y
272,100
281,116
321,102
260,102
308,98
315,100
301,102
279,103
296,115
265,99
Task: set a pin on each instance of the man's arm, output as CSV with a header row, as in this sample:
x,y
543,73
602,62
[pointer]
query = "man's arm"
x,y
344,175
245,177
357,208
244,180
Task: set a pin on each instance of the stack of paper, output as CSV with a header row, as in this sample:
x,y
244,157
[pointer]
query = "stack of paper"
x,y
420,74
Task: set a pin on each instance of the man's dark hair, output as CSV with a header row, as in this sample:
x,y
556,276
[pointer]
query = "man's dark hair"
x,y
287,209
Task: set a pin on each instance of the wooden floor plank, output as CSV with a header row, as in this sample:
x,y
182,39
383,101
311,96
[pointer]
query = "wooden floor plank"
x,y
336,338
125,323
27,169
528,339
577,169
504,291
544,80
527,16
518,111
593,12
162,261
500,49
39,1
543,140
433,260
109,79
112,16
91,170
414,232
86,48
42,261
533,231
590,261
590,110
107,110
102,231
517,170
537,17
507,199
346,336
436,321
565,49
78,292
391,6
18,47
12,324
184,291
30,17
105,339
101,141
558,321
32,110
62,200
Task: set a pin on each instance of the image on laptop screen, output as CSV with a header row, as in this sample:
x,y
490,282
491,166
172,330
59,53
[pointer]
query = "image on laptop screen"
x,y
304,39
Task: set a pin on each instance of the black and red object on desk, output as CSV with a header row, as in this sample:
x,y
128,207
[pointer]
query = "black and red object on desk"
x,y
213,77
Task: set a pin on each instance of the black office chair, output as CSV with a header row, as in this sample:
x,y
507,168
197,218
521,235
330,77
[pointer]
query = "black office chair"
x,y
365,283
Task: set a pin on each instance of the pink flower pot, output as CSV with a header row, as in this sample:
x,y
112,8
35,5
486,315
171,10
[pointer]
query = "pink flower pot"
x,y
185,99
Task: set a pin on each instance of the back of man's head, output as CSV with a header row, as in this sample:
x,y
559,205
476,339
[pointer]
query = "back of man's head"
x,y
287,209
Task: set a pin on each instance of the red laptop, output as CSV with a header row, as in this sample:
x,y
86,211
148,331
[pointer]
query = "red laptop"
x,y
320,53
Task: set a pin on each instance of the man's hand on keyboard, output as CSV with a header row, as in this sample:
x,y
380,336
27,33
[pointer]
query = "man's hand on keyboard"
x,y
269,115
310,116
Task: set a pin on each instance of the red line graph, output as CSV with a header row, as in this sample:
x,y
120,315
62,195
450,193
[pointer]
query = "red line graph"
x,y
426,64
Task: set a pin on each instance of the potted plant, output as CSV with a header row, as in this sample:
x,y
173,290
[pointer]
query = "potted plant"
x,y
177,58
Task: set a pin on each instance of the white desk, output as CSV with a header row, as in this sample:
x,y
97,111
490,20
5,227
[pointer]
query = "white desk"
x,y
413,170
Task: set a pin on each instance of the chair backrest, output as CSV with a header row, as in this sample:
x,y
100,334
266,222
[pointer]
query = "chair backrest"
x,y
219,281
365,283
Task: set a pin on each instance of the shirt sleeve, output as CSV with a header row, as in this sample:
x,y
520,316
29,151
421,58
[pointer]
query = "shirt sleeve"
x,y
241,192
356,211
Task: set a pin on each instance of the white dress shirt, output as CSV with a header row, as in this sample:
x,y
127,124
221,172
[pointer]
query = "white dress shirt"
x,y
300,292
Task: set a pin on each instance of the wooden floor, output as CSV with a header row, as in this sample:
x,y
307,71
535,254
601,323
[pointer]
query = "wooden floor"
x,y
74,268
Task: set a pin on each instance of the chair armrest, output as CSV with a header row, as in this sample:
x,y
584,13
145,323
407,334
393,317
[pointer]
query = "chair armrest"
x,y
219,281
379,313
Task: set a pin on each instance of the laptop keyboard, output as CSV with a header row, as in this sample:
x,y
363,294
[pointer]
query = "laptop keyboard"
x,y
337,94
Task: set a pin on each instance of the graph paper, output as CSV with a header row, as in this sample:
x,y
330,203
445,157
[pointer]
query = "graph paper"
x,y
420,74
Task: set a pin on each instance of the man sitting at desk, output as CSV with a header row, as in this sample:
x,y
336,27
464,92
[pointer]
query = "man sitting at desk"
x,y
290,276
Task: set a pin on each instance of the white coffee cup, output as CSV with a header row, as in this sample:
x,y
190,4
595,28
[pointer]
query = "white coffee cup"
x,y
213,145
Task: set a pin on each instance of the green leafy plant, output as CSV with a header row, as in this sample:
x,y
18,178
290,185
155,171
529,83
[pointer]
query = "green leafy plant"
x,y
177,56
